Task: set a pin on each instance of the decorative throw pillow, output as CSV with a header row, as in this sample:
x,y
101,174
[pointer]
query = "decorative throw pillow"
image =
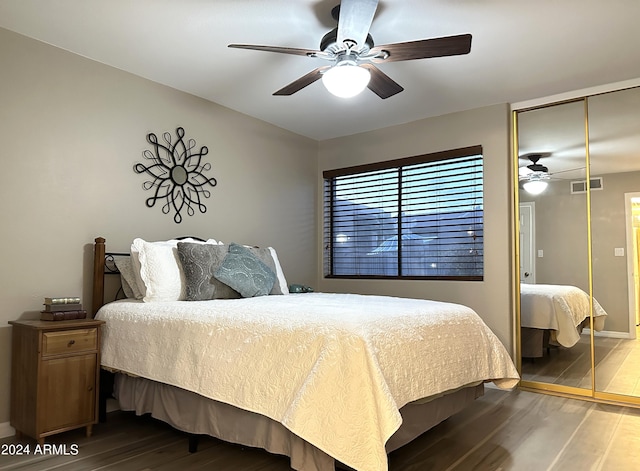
x,y
266,256
128,277
243,271
199,263
160,272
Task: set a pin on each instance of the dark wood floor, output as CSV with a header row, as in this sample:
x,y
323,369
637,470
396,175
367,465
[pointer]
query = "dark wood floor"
x,y
500,431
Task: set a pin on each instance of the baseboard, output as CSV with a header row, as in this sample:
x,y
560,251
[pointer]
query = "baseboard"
x,y
6,430
609,333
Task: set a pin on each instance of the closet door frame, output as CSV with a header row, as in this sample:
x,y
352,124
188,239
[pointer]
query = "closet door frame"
x,y
548,388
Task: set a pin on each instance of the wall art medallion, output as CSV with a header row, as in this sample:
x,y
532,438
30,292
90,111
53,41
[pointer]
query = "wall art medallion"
x,y
177,172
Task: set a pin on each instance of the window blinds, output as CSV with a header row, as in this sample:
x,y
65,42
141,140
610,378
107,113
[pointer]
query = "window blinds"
x,y
420,217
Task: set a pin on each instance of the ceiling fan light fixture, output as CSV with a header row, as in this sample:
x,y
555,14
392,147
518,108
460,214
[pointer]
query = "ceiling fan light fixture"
x,y
350,43
346,79
535,187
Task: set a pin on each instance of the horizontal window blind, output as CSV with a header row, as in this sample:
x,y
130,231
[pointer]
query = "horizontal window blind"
x,y
420,217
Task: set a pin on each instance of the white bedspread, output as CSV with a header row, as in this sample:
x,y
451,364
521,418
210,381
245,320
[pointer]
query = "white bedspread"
x,y
333,368
559,308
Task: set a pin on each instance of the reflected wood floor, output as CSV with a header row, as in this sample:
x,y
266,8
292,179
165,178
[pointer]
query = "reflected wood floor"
x,y
516,430
617,365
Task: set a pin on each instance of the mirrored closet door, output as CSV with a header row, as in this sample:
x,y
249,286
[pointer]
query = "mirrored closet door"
x,y
553,242
614,146
579,245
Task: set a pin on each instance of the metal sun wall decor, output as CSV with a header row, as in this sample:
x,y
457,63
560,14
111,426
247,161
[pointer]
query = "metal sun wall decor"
x,y
177,173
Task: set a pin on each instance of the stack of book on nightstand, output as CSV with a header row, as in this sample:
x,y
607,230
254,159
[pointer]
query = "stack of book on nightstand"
x,y
62,309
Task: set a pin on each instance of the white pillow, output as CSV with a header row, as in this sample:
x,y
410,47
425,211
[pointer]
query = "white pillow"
x,y
279,273
158,269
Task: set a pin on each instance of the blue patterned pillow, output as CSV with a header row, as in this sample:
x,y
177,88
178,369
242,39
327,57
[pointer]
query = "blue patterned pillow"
x,y
243,271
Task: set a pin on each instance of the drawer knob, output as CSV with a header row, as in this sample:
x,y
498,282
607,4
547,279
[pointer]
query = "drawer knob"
x,y
71,342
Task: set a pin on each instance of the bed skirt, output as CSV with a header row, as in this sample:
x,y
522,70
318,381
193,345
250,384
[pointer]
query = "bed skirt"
x,y
192,413
534,342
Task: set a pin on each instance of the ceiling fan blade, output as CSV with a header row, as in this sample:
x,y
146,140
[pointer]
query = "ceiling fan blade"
x,y
534,155
423,49
302,82
567,170
381,84
355,20
282,50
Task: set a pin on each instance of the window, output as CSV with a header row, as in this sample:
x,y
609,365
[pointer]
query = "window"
x,y
418,217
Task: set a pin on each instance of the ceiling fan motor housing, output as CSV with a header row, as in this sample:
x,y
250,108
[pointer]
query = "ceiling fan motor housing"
x,y
329,42
535,166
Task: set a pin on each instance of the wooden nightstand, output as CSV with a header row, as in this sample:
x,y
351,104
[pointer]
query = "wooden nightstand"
x,y
55,368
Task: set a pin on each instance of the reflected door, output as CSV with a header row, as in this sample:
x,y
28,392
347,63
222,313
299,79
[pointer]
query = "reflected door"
x,y
527,243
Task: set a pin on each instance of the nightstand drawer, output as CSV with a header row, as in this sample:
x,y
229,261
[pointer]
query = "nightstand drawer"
x,y
69,341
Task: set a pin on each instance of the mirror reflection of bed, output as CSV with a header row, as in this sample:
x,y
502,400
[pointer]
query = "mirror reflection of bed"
x,y
554,343
555,316
555,249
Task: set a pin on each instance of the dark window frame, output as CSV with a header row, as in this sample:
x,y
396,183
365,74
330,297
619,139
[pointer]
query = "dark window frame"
x,y
329,234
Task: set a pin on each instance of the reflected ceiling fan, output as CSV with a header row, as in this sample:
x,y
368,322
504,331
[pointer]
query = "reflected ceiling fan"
x,y
350,50
534,168
535,176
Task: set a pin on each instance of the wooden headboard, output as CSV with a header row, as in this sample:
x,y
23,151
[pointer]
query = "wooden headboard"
x,y
103,264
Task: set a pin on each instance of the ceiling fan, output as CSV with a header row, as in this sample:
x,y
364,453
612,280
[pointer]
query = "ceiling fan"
x,y
350,50
535,176
537,170
534,168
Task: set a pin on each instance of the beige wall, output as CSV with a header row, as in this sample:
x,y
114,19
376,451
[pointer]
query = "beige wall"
x,y
488,127
72,129
608,232
561,232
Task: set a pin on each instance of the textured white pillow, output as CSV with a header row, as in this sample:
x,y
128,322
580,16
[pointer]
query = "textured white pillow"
x,y
160,277
279,273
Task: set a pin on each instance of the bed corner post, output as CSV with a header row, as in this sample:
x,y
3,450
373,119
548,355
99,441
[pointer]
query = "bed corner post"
x,y
98,275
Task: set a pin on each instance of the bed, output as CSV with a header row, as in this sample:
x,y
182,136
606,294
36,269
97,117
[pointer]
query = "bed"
x,y
323,378
555,315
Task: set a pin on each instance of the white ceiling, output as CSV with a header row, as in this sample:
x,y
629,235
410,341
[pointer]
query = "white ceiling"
x,y
558,134
521,50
